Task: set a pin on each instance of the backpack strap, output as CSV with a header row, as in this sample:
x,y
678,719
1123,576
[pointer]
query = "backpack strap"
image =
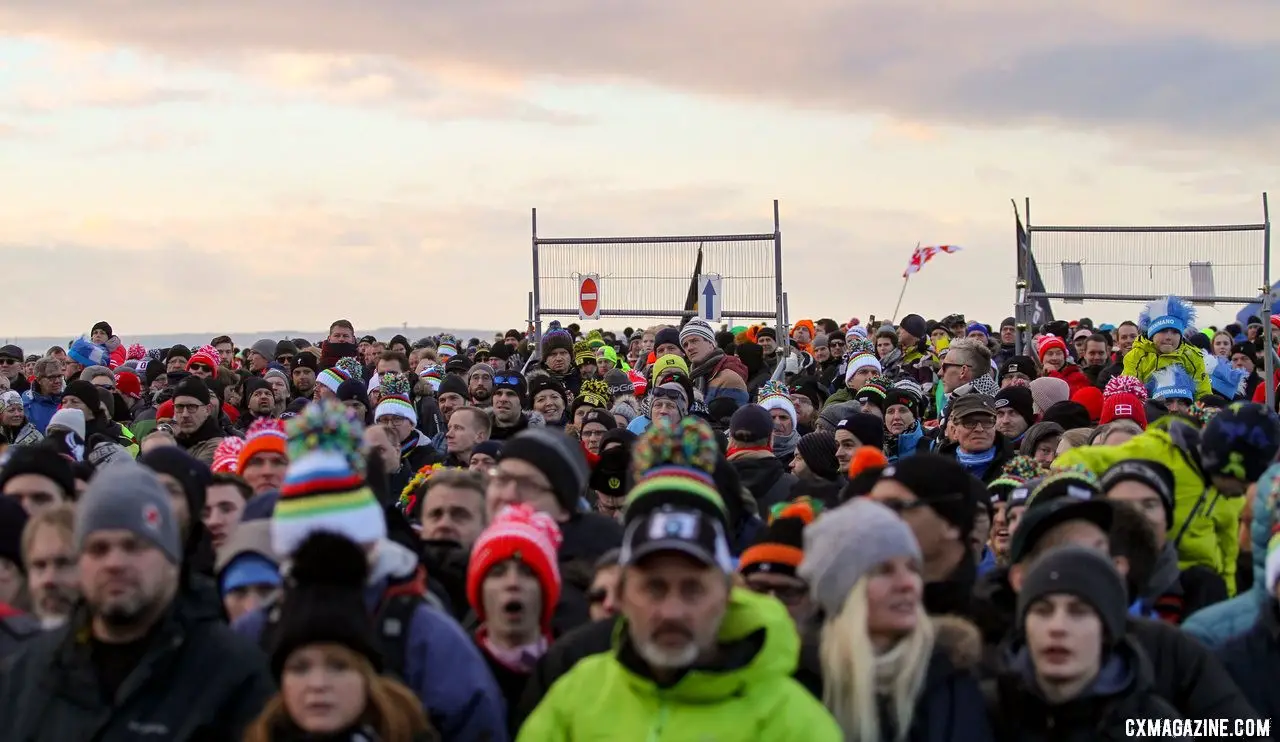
x,y
392,623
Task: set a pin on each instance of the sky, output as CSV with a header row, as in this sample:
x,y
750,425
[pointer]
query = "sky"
x,y
239,165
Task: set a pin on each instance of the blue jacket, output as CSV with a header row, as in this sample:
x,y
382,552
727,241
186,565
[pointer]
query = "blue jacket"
x,y
39,408
443,668
1217,623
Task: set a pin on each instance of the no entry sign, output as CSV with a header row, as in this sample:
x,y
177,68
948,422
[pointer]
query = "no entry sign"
x,y
589,296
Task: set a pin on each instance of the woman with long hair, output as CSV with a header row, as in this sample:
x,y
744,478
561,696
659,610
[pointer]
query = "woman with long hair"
x,y
325,657
889,671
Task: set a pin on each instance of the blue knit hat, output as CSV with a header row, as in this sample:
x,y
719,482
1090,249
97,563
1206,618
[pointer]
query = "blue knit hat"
x,y
1171,382
1169,313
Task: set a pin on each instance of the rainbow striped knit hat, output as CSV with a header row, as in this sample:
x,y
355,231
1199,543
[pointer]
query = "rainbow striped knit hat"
x,y
324,487
394,398
674,464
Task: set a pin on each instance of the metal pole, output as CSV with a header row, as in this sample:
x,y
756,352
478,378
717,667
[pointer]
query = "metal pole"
x,y
536,294
783,335
1028,304
1019,313
780,370
1269,363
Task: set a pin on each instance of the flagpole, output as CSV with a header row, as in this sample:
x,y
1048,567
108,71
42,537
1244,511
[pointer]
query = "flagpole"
x,y
896,307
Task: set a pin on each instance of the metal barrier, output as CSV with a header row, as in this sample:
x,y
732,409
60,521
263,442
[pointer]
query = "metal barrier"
x,y
1225,263
651,277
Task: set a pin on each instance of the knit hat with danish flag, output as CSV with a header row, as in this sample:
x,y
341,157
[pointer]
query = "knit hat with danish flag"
x,y
129,497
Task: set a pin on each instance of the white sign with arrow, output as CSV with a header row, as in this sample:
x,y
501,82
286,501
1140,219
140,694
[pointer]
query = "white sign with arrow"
x,y
710,299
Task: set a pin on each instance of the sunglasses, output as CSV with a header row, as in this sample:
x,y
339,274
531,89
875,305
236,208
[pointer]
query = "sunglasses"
x,y
660,393
7,362
902,506
284,359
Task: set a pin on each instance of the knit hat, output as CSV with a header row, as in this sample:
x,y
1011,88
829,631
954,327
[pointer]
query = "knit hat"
x,y
1048,391
324,488
1045,343
665,364
1023,365
276,370
1017,398
697,327
194,387
129,497
514,381
865,427
750,423
776,396
914,325
323,601
583,354
86,353
453,384
639,385
447,347
846,544
674,464
13,519
136,352
265,435
601,417
1047,511
610,473
1070,415
858,355
594,393
779,548
544,382
1171,382
394,400
207,356
128,385
818,449
1169,313
69,418
819,341
874,392
1240,441
619,382
557,456
939,482
265,348
85,392
40,460
531,537
1089,397
226,457
1153,474
1082,573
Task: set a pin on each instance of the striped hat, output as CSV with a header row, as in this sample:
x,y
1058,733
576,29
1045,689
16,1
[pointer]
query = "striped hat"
x,y
324,487
332,378
394,398
226,457
674,464
265,435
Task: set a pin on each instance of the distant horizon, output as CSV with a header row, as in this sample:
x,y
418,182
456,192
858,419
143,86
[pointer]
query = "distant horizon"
x,y
196,339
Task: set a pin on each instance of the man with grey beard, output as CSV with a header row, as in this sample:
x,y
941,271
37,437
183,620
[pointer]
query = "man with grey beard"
x,y
133,659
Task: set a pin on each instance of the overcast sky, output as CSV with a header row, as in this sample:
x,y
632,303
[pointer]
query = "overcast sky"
x,y
243,164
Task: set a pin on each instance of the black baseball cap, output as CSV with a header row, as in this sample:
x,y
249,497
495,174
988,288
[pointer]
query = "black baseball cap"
x,y
681,530
971,404
750,423
1042,515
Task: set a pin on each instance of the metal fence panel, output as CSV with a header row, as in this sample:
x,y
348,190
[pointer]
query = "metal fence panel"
x,y
649,277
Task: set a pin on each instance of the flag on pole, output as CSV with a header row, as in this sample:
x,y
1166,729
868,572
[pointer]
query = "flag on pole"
x,y
1041,310
691,299
924,254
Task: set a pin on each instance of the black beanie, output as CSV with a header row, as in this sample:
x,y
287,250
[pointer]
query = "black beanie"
x,y
178,351
941,483
85,392
39,460
452,384
154,371
557,456
1019,398
353,391
667,336
867,428
324,601
818,449
1153,474
915,326
1070,415
13,518
105,327
193,386
543,382
610,474
1085,574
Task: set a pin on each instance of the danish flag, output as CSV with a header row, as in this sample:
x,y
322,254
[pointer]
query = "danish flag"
x,y
924,254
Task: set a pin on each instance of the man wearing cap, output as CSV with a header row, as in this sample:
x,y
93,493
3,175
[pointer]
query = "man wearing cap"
x,y
683,660
195,417
131,658
1018,368
972,437
1015,412
11,368
750,453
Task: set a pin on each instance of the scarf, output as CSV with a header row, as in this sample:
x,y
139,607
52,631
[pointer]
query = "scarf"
x,y
889,666
703,370
520,659
785,445
976,463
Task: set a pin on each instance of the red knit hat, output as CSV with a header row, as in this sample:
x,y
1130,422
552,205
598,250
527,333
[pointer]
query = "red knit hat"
x,y
265,435
1091,398
1123,406
1046,342
204,357
518,532
128,385
165,410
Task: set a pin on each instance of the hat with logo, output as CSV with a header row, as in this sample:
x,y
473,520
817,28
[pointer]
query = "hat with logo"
x,y
672,529
129,497
1018,399
1023,365
971,404
1042,515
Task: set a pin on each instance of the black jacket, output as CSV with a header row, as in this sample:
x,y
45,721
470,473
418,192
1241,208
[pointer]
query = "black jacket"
x,y
15,629
1123,690
1253,660
765,477
197,682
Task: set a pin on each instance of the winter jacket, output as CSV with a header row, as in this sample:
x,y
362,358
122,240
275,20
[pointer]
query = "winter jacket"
x,y
16,628
442,665
764,476
24,435
1186,674
1172,594
1218,623
904,444
1074,377
1197,531
197,682
1123,690
204,441
527,420
39,408
1144,360
748,694
1253,660
721,376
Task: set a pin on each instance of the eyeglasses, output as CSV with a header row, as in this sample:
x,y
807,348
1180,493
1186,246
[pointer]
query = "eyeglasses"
x,y
186,407
201,367
660,393
904,506
501,478
285,359
597,596
788,595
977,422
946,366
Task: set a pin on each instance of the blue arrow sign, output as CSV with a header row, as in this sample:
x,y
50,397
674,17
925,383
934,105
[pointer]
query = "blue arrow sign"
x,y
709,298
709,307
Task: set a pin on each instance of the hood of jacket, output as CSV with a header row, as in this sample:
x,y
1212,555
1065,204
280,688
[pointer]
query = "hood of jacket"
x,y
757,641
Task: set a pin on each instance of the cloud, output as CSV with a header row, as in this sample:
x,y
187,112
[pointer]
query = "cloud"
x,y
1196,70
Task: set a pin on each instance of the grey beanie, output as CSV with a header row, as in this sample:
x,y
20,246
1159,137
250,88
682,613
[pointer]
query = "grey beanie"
x,y
481,367
845,544
265,348
832,414
819,341
276,372
92,372
129,497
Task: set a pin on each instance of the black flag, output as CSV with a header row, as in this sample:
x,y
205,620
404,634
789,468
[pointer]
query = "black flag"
x,y
691,299
1041,311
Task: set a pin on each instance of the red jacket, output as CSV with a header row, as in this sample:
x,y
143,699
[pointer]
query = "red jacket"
x,y
1074,377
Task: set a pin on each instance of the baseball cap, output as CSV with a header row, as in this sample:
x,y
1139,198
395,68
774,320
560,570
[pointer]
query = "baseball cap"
x,y
679,530
1043,515
970,404
750,423
11,351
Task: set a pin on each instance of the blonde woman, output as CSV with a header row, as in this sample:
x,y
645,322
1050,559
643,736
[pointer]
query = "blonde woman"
x,y
325,657
889,672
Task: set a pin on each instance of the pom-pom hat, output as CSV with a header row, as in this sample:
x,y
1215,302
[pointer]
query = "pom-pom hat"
x,y
775,395
522,533
1169,313
394,398
674,464
860,354
556,338
226,457
1048,342
324,488
265,435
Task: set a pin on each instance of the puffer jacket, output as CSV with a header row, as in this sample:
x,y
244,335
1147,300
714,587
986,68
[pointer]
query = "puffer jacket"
x,y
1218,623
1144,360
1203,535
